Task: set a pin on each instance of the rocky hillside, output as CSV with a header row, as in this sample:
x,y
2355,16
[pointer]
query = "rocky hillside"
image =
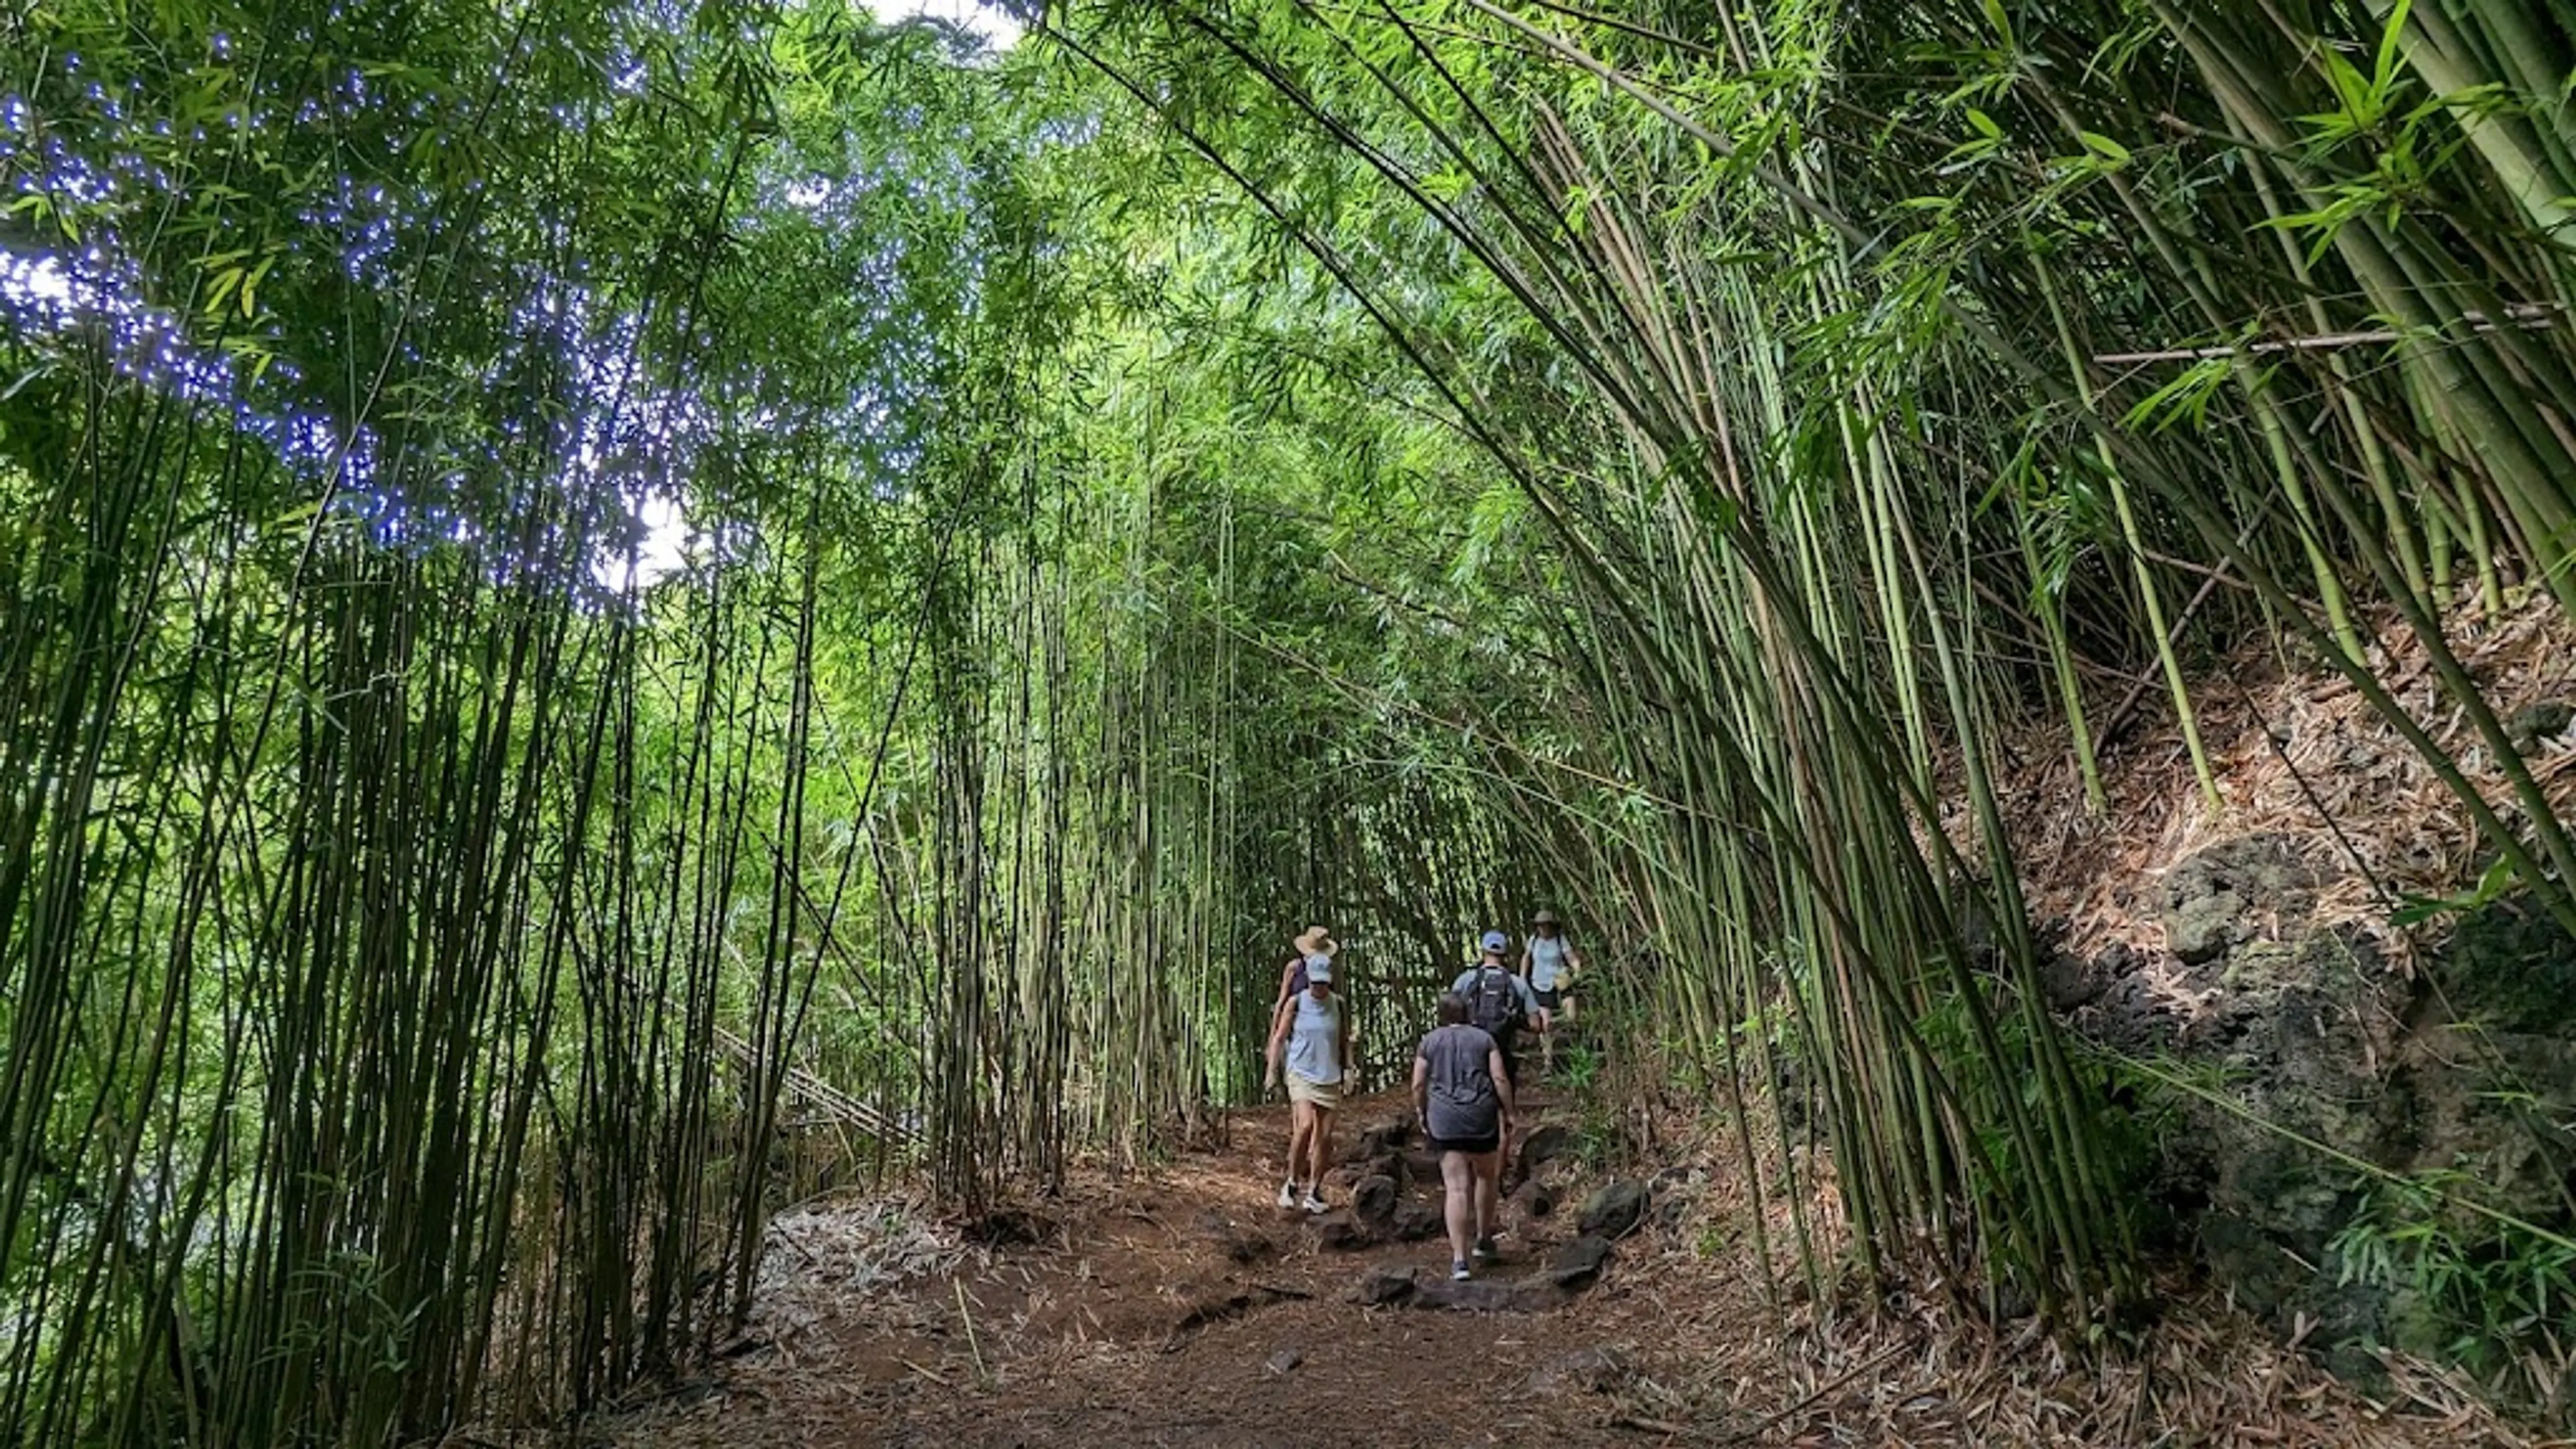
x,y
2367,1065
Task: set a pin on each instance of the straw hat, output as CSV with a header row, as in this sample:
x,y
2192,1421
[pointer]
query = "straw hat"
x,y
1545,918
1317,942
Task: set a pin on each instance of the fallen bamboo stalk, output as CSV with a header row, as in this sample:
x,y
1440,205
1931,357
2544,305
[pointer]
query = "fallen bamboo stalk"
x,y
2529,316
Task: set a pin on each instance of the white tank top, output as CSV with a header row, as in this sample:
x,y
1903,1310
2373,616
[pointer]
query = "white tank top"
x,y
1547,958
1315,1039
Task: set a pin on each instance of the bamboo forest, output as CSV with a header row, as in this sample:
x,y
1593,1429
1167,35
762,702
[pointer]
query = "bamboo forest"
x,y
691,693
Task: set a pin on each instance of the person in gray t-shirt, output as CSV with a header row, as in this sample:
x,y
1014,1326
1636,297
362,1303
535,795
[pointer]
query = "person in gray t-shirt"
x,y
1464,1097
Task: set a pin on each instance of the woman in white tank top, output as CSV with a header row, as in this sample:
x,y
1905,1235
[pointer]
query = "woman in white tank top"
x,y
1549,961
1311,1036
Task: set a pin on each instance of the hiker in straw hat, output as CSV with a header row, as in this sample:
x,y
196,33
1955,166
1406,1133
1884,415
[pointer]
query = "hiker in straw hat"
x,y
1549,962
1292,976
1310,1036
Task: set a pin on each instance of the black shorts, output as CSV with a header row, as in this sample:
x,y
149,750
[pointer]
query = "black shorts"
x,y
1469,1145
1548,1000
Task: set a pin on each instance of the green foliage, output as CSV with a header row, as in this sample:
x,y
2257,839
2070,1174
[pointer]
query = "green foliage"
x,y
2490,1296
1578,1067
1212,469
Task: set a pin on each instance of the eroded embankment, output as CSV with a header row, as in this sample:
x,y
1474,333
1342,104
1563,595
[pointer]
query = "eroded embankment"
x,y
2360,1081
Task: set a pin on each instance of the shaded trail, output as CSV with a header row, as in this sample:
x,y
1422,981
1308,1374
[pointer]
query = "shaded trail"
x,y
1184,1307
1188,1308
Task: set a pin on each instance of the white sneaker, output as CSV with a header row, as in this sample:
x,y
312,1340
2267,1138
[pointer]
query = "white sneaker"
x,y
1314,1204
1287,1194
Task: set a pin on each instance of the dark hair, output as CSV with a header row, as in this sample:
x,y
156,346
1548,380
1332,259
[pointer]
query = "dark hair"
x,y
1453,1008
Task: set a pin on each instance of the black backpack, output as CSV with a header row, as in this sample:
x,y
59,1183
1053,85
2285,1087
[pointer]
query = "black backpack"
x,y
1494,1005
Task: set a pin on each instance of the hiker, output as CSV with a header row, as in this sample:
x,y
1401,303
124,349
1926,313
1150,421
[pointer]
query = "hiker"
x,y
1312,1032
1292,977
1498,1001
1463,1098
1549,962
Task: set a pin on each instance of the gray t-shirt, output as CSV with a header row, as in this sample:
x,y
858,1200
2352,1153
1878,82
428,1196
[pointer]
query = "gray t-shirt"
x,y
1463,1103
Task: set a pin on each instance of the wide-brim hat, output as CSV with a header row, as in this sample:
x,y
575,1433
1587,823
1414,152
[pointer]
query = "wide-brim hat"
x,y
1317,942
1545,918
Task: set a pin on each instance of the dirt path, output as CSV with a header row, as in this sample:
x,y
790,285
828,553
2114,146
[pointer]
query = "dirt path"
x,y
1187,1308
1190,1309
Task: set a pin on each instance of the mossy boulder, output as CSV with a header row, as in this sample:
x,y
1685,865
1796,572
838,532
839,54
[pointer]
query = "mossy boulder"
x,y
2463,1072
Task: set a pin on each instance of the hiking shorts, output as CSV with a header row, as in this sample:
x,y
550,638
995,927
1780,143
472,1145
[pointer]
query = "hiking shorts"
x,y
1472,1146
1323,1096
1549,1000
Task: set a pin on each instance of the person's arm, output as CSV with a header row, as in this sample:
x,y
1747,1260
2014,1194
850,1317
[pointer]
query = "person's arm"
x,y
1287,983
1350,1064
1421,1090
1278,1043
1525,960
1502,1090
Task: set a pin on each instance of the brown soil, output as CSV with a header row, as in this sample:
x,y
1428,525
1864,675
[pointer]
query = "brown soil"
x,y
1185,1307
2298,755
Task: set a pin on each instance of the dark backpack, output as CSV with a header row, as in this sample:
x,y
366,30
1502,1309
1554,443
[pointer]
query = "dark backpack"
x,y
1494,1005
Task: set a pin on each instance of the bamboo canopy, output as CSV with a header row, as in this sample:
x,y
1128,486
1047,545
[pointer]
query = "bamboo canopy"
x,y
613,616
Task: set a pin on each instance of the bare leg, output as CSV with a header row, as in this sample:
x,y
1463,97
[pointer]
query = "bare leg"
x,y
1319,1147
1489,1192
1546,1040
1301,1118
1458,1180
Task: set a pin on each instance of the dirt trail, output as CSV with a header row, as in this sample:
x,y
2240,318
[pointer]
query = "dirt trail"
x,y
1186,1308
1189,1308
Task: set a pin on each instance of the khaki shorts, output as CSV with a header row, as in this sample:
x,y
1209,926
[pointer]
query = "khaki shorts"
x,y
1325,1095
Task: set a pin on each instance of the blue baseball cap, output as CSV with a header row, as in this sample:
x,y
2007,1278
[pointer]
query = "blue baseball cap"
x,y
1496,941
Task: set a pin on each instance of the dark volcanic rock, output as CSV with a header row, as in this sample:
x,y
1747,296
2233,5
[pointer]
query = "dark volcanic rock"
x,y
2070,981
2464,1065
2211,899
1579,1263
1543,1146
1415,1222
1384,1286
1536,1198
1490,1295
1373,1200
2536,722
1384,1139
1343,1233
1613,1209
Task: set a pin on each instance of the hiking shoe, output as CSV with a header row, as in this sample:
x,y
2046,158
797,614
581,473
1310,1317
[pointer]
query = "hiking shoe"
x,y
1486,1252
1458,1272
1314,1204
1287,1194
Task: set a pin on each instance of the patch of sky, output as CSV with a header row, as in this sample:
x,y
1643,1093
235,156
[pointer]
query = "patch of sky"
x,y
995,26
